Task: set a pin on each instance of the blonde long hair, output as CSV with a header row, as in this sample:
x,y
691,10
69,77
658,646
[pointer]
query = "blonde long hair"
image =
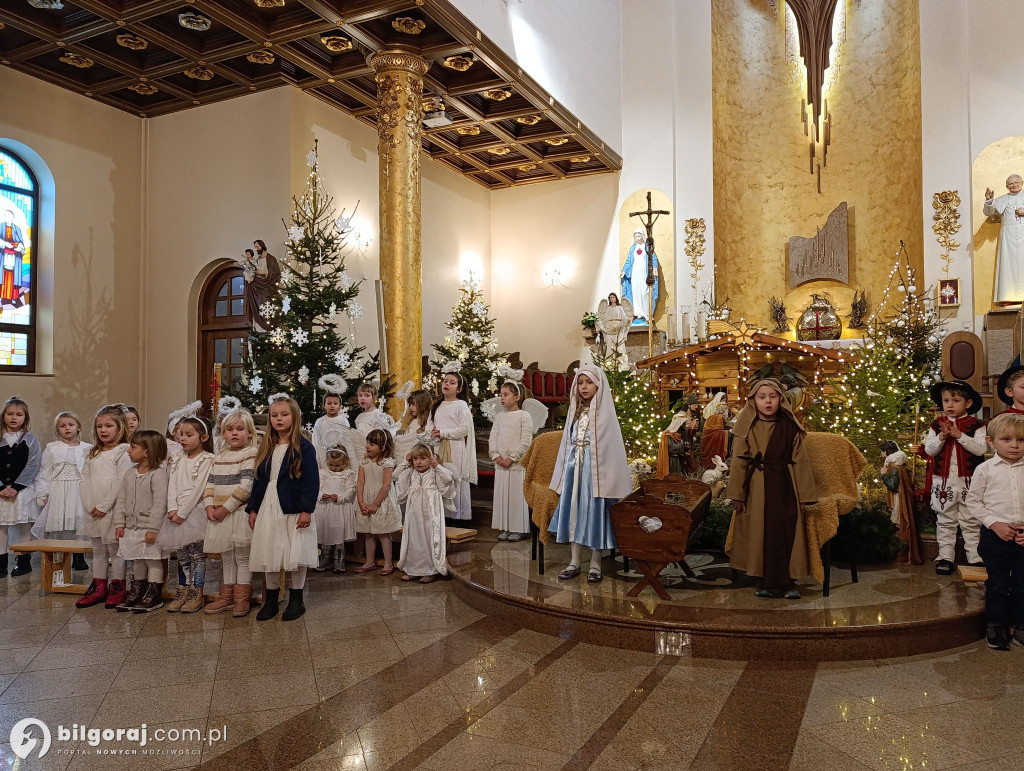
x,y
119,414
294,440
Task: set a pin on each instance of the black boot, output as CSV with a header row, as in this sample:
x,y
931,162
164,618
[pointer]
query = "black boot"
x,y
23,565
269,609
152,600
295,606
136,591
78,562
3,565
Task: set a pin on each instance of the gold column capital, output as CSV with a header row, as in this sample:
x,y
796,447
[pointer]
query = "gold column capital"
x,y
390,60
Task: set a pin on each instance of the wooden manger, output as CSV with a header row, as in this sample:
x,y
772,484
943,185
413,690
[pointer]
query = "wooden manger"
x,y
682,505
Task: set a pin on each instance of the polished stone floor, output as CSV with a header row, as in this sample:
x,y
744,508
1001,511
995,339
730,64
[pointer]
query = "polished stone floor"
x,y
382,674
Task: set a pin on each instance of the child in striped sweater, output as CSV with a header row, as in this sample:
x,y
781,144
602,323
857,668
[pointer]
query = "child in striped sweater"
x,y
227,530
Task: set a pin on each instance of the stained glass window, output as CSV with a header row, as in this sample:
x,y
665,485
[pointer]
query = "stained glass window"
x,y
19,200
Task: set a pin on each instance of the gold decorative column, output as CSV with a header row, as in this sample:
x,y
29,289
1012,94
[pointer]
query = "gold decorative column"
x,y
399,125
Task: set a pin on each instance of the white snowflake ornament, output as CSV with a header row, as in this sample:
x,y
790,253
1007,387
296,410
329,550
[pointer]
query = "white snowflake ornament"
x,y
332,311
303,375
295,233
278,336
475,387
267,310
300,337
255,384
345,280
343,224
355,310
342,360
311,159
286,305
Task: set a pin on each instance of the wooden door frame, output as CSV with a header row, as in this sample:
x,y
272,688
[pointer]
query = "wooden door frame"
x,y
202,326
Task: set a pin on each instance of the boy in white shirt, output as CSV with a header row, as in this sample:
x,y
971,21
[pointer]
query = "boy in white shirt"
x,y
996,500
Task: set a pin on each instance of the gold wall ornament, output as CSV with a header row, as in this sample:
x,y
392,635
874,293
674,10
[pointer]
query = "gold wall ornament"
x,y
499,150
146,89
269,3
468,131
557,142
819,322
201,72
694,248
580,159
194,21
399,77
947,224
77,60
336,43
528,120
409,25
458,63
262,56
132,42
497,94
527,166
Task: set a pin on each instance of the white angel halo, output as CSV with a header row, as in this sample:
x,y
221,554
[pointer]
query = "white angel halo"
x,y
190,410
227,403
332,384
276,398
451,366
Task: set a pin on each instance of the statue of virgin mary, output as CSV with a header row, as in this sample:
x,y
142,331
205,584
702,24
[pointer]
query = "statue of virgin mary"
x,y
634,278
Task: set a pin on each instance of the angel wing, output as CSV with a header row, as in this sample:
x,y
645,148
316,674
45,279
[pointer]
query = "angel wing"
x,y
602,308
627,306
538,413
354,442
491,407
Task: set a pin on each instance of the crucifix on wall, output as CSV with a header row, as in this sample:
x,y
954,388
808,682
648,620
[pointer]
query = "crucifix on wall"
x,y
648,295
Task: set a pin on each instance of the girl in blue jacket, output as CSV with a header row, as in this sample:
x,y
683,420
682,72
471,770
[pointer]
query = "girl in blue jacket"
x,y
280,510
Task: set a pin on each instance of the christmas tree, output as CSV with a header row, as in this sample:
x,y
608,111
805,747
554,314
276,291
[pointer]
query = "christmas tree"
x,y
304,344
885,392
469,348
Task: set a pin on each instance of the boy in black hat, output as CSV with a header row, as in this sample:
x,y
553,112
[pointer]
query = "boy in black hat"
x,y
956,442
1011,389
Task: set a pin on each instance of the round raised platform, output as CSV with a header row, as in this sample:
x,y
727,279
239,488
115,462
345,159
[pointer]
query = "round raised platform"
x,y
895,611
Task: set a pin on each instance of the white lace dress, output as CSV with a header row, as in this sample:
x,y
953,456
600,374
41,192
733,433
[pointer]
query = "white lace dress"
x,y
277,544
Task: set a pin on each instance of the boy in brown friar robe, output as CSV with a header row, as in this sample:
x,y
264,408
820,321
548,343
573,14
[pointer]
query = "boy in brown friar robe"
x,y
770,482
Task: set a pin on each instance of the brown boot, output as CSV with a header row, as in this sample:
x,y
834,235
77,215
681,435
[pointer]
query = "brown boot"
x,y
241,596
223,601
180,593
194,601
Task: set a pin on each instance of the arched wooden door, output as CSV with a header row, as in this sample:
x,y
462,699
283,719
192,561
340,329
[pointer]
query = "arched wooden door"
x,y
222,329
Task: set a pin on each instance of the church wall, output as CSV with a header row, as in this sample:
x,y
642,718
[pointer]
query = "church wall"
x,y
571,225
218,179
94,155
455,213
555,42
763,187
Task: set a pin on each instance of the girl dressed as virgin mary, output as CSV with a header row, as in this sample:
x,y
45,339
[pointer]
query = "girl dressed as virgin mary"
x,y
634,277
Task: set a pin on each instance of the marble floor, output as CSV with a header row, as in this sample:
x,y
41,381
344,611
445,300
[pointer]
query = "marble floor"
x,y
381,674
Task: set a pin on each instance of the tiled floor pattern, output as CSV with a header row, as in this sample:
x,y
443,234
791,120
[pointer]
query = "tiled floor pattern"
x,y
385,675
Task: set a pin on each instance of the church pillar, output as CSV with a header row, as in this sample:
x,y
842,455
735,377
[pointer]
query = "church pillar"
x,y
399,125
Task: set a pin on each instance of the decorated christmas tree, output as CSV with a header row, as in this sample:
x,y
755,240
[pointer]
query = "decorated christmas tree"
x,y
885,392
315,291
469,348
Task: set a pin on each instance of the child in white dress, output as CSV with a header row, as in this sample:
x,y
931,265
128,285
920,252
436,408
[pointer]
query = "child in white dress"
x,y
227,527
380,514
58,486
104,466
453,427
281,508
20,459
336,510
510,438
138,514
328,427
423,487
133,417
185,526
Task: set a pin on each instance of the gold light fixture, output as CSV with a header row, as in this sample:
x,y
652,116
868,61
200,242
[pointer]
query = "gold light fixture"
x,y
262,56
77,60
132,42
468,131
497,94
336,43
557,142
528,120
201,72
409,25
459,63
146,89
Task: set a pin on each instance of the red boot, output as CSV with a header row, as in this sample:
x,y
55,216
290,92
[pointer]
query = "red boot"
x,y
117,594
94,595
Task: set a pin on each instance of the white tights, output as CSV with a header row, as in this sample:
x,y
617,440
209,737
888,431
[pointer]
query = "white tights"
x,y
12,534
101,552
150,570
235,564
298,579
577,554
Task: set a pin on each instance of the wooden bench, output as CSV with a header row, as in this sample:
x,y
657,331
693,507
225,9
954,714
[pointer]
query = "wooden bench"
x,y
459,534
972,576
48,547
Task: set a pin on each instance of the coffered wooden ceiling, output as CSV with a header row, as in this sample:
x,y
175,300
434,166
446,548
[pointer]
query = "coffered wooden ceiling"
x,y
138,57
